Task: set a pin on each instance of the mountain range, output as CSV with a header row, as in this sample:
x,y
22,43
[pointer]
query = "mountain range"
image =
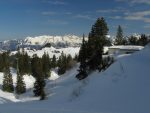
x,y
39,41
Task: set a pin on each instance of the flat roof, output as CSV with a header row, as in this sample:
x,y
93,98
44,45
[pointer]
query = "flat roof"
x,y
127,47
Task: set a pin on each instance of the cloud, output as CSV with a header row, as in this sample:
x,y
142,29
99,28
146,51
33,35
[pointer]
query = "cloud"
x,y
87,17
107,11
116,10
115,17
67,13
57,22
142,16
141,1
57,2
147,26
136,1
49,13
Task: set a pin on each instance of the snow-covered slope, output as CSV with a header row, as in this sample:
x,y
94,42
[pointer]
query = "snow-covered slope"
x,y
122,88
29,81
52,51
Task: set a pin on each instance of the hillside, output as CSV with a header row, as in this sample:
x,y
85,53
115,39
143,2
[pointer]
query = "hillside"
x,y
122,88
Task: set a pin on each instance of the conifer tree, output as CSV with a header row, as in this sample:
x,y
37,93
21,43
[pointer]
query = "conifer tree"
x,y
7,81
62,66
23,62
27,64
46,65
143,40
40,82
76,57
20,85
132,40
82,59
70,62
119,37
53,62
1,62
34,65
83,50
3,58
96,41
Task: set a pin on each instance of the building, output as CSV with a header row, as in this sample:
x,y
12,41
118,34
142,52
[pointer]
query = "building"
x,y
124,49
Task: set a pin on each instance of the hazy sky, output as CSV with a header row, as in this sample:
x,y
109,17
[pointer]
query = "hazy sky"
x,y
21,18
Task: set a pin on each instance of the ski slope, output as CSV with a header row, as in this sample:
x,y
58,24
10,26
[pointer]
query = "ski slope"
x,y
122,88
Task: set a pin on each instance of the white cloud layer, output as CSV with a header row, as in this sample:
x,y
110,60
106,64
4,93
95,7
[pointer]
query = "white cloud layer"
x,y
142,15
87,17
136,1
57,22
57,2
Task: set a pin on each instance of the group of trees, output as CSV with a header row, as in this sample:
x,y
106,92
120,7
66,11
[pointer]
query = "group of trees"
x,y
39,68
39,73
120,40
8,81
64,63
141,40
91,51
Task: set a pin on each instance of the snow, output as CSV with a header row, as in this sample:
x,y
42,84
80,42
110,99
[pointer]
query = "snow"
x,y
106,49
53,51
53,76
29,81
128,47
122,88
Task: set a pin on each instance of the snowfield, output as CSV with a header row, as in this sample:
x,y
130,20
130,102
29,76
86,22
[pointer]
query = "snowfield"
x,y
52,51
123,88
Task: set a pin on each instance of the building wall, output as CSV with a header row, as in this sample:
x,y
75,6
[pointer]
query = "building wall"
x,y
120,51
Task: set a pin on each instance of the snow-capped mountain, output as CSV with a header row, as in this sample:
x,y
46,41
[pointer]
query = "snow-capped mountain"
x,y
60,41
39,41
9,44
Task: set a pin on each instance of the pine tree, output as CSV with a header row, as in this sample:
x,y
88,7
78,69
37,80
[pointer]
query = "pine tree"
x,y
53,62
7,81
76,57
23,62
27,64
143,40
3,60
96,41
46,65
82,50
70,62
40,82
119,37
132,40
20,85
82,59
62,64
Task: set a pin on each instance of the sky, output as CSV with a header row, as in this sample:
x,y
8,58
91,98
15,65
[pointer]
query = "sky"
x,y
22,18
